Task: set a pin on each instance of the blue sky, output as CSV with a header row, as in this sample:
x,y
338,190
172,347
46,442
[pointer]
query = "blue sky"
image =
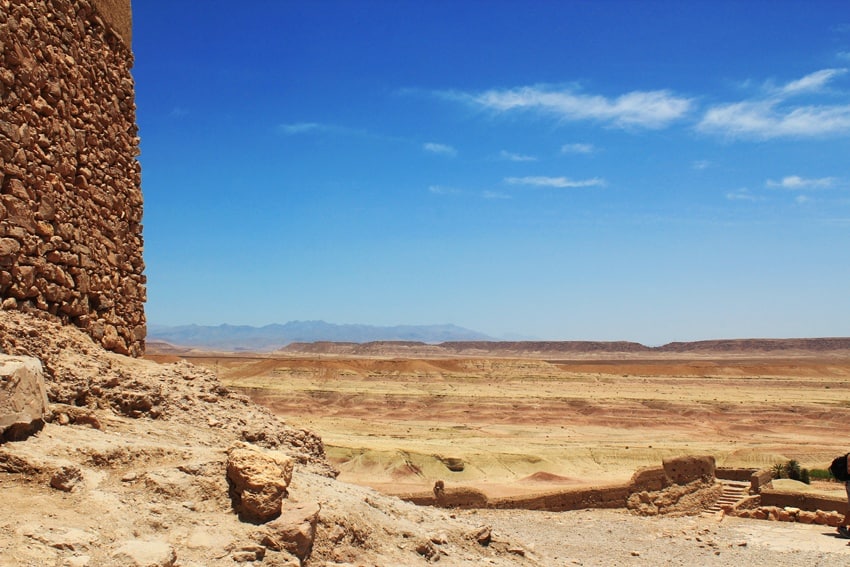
x,y
649,171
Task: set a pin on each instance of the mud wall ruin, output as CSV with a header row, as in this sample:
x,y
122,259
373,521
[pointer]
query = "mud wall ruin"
x,y
71,201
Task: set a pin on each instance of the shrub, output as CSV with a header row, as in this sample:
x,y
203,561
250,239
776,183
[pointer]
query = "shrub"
x,y
791,470
820,474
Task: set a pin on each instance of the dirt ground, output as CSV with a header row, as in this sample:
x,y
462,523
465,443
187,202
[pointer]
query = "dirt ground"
x,y
526,425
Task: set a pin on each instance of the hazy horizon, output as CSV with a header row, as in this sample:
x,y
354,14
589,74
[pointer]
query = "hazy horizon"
x,y
655,172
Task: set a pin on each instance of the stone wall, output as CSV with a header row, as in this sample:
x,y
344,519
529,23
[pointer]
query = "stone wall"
x,y
677,472
71,201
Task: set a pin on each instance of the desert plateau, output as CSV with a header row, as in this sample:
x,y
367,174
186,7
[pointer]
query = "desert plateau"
x,y
144,462
509,419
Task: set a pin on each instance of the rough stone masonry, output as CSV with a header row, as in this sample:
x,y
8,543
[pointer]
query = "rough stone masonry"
x,y
71,200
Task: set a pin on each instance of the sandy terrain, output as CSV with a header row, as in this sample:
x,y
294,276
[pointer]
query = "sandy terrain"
x,y
131,467
525,425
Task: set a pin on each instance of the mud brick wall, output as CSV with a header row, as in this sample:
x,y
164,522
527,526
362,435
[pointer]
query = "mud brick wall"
x,y
70,198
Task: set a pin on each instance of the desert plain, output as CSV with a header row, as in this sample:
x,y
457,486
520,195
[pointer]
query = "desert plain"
x,y
399,419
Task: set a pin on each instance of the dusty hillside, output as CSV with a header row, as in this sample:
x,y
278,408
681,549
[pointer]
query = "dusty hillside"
x,y
141,448
130,470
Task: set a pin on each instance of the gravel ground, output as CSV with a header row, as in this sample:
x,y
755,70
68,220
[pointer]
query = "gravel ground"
x,y
615,537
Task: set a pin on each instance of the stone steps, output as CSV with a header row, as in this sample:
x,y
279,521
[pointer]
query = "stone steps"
x,y
733,492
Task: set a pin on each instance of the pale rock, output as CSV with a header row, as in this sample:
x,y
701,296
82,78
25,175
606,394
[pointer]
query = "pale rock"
x,y
69,539
483,535
294,531
258,480
142,553
66,478
201,538
248,553
23,398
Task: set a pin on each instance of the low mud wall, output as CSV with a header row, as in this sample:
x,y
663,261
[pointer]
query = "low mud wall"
x,y
803,501
679,471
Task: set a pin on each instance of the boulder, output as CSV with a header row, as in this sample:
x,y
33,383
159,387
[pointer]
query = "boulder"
x,y
23,398
294,531
66,478
258,480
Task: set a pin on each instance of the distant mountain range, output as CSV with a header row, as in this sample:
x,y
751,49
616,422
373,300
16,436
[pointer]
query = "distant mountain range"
x,y
277,336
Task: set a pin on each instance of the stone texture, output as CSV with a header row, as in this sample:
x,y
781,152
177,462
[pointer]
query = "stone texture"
x,y
23,398
294,531
141,553
70,184
258,481
69,539
66,478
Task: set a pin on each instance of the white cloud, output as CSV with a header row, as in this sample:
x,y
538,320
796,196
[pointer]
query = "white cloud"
x,y
773,117
796,182
741,195
301,127
578,148
510,156
442,190
441,149
643,109
541,181
811,82
701,164
495,195
769,119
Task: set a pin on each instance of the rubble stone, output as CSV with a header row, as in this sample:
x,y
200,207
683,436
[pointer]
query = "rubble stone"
x,y
23,398
258,481
294,531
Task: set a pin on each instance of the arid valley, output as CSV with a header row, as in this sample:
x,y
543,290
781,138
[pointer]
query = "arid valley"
x,y
399,417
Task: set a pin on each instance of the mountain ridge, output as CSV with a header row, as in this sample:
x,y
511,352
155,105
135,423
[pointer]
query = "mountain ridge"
x,y
320,337
277,335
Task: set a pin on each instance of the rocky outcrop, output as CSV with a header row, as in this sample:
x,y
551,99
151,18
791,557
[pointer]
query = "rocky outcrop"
x,y
258,481
294,531
23,398
70,184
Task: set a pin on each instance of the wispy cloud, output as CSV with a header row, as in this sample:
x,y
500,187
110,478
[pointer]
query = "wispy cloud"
x,y
802,199
303,128
510,156
561,182
442,190
767,119
795,182
440,149
636,109
811,82
845,55
701,164
743,194
578,148
771,116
